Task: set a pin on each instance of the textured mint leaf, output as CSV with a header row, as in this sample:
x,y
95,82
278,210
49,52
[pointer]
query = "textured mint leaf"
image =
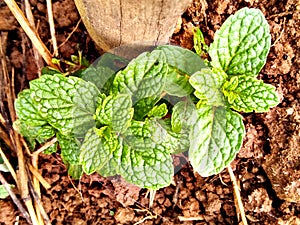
x,y
215,138
143,77
3,193
34,133
67,103
102,72
97,149
143,161
51,149
182,64
208,83
252,95
241,45
144,106
182,59
158,111
116,111
163,135
44,133
181,114
27,111
70,148
100,76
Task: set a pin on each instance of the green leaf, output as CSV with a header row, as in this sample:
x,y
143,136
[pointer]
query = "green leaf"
x,y
180,123
143,77
3,167
70,148
27,111
34,133
45,133
182,59
116,112
51,149
199,43
208,83
215,138
252,95
242,44
3,193
97,149
177,83
181,114
75,171
67,103
145,162
158,111
144,106
182,64
100,76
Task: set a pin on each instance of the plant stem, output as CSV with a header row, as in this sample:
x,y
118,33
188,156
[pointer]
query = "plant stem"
x,y
33,36
15,199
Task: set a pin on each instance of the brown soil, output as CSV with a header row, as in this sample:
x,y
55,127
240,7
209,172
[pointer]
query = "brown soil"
x,y
267,167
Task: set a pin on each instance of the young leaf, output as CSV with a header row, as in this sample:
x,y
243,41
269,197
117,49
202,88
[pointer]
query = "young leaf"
x,y
182,63
144,106
199,43
252,95
67,103
241,45
208,82
116,112
158,111
143,77
181,114
3,193
97,149
3,166
75,171
216,137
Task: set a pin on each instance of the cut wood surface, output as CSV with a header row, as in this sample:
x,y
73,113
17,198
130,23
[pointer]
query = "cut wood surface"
x,y
113,23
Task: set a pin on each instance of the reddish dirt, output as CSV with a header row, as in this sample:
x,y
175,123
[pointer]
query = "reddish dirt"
x,y
267,167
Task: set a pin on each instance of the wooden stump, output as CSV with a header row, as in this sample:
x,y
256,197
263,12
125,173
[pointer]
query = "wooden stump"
x,y
113,23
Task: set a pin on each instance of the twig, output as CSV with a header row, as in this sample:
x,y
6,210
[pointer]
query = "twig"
x,y
4,136
8,165
37,56
65,41
237,196
182,218
151,198
10,101
45,146
37,199
15,199
52,27
33,36
36,174
280,35
2,120
23,180
36,185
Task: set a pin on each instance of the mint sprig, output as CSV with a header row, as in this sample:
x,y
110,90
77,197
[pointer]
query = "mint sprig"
x,y
128,121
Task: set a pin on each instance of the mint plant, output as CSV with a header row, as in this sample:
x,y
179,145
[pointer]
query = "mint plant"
x,y
128,121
